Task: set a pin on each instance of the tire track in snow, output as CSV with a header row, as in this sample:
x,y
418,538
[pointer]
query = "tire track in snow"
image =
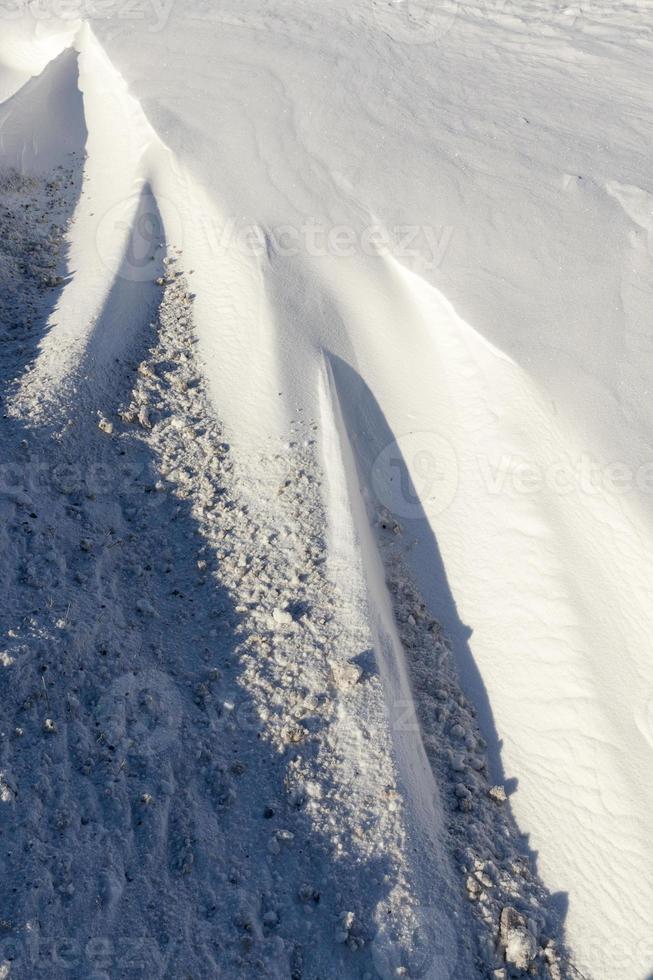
x,y
515,919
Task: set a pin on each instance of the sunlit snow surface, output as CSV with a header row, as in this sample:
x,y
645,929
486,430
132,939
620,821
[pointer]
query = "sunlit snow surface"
x,y
426,231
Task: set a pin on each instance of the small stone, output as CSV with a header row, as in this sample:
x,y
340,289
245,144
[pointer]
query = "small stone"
x,y
345,923
345,674
497,793
282,617
50,726
518,943
293,734
86,544
473,888
105,426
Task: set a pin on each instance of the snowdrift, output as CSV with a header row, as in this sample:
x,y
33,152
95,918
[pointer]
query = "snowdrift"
x,y
405,285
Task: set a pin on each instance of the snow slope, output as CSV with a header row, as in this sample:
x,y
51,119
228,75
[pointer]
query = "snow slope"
x,y
480,384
